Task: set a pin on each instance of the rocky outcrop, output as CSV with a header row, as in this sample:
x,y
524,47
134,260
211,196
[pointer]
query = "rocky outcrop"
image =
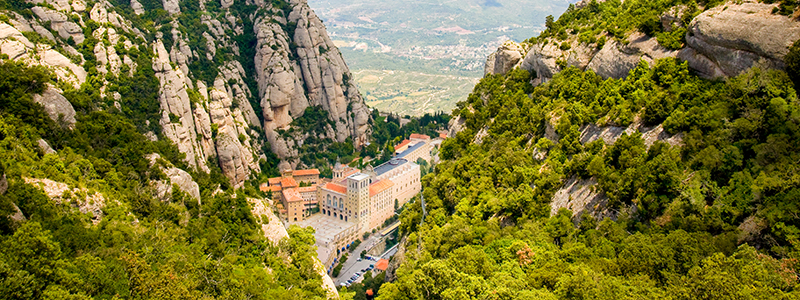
x,y
80,198
176,112
3,184
613,60
579,196
60,23
56,106
306,69
180,178
45,147
721,42
274,231
296,66
19,48
731,38
232,143
610,134
504,59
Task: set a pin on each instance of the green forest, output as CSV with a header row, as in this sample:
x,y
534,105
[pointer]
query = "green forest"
x,y
713,218
140,247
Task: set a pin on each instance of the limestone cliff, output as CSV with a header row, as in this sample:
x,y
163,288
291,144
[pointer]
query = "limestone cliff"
x,y
230,80
304,69
720,42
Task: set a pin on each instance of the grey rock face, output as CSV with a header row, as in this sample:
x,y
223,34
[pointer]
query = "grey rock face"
x,y
232,143
318,77
137,7
45,147
726,40
176,114
56,106
60,23
3,184
504,59
612,62
182,179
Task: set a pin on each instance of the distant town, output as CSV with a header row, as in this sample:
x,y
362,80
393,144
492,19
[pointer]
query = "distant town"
x,y
353,204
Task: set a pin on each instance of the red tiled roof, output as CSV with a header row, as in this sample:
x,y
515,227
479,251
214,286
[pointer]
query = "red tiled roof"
x,y
307,189
382,264
419,136
443,135
288,182
264,187
379,186
405,142
274,188
305,172
349,172
336,188
274,181
292,195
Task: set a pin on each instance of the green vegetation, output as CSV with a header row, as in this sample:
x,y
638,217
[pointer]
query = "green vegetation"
x,y
140,246
785,7
359,289
710,219
619,18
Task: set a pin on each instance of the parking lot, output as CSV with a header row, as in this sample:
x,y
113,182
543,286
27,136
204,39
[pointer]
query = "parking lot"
x,y
355,266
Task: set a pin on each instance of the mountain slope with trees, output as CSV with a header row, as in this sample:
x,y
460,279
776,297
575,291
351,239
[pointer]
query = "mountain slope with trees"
x,y
705,210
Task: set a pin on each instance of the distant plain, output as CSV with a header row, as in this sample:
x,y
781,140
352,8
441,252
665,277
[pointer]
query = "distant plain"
x,y
413,57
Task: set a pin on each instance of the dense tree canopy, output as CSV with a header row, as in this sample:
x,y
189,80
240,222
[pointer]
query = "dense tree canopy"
x,y
710,217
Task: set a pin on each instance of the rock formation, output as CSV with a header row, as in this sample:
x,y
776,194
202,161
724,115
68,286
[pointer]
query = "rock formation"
x,y
721,42
180,178
3,184
726,40
78,197
56,106
306,69
504,59
219,111
274,231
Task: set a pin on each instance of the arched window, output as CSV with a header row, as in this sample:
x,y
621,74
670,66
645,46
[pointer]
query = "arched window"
x,y
323,211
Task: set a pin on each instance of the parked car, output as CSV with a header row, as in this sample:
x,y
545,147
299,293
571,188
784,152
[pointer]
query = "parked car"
x,y
359,259
358,273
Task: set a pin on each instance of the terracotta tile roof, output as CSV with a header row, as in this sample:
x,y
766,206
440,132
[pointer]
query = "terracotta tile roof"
x,y
274,181
307,189
349,172
305,172
443,135
402,144
292,195
275,188
336,188
288,182
382,264
379,186
419,136
264,187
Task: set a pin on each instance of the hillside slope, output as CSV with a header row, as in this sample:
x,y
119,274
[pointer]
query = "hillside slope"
x,y
222,81
619,178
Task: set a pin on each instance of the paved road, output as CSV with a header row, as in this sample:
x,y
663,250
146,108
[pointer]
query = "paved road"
x,y
352,265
